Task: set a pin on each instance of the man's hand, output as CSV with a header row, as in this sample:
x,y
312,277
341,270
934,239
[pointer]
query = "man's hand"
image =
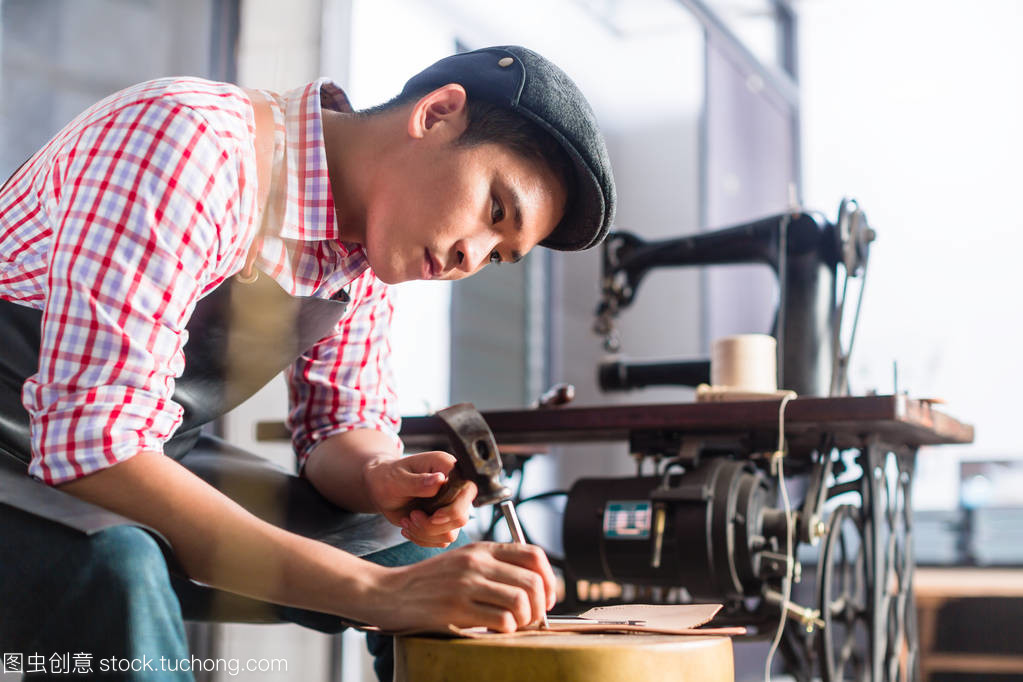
x,y
361,471
501,586
395,483
497,585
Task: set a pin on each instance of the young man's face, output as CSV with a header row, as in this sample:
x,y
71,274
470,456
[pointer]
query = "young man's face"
x,y
444,211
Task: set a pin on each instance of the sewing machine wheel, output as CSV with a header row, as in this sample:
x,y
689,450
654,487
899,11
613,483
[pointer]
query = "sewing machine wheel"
x,y
854,236
842,592
901,650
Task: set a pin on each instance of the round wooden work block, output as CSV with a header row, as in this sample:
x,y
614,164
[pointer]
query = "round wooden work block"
x,y
565,658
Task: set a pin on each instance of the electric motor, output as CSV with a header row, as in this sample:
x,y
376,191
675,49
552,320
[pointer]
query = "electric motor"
x,y
711,529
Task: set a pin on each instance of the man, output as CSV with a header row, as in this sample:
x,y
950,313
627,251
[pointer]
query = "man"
x,y
135,311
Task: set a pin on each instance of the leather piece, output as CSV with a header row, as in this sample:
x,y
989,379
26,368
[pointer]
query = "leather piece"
x,y
285,500
19,361
22,492
673,619
240,337
261,487
569,629
678,616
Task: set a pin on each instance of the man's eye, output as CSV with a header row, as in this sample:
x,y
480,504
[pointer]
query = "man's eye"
x,y
495,257
496,210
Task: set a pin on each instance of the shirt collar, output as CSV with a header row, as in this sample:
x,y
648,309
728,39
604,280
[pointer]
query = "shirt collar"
x,y
309,209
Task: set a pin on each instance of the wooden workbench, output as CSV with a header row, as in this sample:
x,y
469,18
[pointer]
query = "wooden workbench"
x,y
897,419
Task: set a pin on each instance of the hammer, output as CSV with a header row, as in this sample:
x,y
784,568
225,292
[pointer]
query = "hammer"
x,y
477,459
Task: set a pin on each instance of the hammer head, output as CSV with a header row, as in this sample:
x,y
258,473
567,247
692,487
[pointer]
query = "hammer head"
x,y
474,447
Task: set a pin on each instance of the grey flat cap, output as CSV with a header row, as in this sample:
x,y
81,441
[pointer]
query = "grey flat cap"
x,y
530,85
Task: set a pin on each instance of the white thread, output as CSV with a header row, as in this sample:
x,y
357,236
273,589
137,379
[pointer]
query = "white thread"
x,y
778,459
744,362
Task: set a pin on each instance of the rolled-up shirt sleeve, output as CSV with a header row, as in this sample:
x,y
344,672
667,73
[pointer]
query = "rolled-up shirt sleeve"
x,y
345,381
136,212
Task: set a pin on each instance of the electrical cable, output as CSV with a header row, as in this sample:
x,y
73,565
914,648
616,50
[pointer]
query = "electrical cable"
x,y
786,591
852,336
837,356
534,498
541,496
840,359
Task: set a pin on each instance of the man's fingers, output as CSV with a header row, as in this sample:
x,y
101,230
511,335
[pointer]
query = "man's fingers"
x,y
459,508
492,617
415,484
437,540
450,517
528,595
502,587
507,606
419,475
440,528
429,462
525,567
430,525
533,559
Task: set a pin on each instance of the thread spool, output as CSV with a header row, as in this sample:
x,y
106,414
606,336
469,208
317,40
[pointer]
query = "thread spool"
x,y
745,363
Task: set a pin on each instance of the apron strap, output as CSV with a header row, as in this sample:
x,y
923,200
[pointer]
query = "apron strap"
x,y
265,143
271,189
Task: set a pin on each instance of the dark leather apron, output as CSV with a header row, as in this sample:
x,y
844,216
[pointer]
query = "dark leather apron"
x,y
241,335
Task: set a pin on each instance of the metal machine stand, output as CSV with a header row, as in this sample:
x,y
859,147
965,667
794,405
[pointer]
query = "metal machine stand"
x,y
852,458
865,573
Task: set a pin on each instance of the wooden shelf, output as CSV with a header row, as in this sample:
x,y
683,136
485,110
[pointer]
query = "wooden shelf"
x,y
933,588
948,662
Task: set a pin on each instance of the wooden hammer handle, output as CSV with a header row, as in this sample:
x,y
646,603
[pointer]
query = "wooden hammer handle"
x,y
451,489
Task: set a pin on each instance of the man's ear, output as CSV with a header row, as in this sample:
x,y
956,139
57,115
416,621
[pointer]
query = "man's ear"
x,y
442,111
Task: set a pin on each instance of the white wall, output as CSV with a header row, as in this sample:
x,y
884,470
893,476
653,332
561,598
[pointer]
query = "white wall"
x,y
391,41
915,107
278,44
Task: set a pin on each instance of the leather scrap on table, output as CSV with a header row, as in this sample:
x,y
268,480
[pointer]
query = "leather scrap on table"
x,y
681,619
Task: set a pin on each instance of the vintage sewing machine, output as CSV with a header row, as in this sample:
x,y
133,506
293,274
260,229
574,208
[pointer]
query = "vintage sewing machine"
x,y
704,518
808,256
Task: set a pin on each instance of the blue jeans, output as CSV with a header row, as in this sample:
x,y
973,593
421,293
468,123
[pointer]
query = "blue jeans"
x,y
107,596
110,596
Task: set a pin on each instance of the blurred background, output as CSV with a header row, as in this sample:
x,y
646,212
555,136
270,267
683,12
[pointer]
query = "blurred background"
x,y
715,112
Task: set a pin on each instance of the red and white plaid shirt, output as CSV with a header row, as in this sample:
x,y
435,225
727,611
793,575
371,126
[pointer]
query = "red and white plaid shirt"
x,y
134,211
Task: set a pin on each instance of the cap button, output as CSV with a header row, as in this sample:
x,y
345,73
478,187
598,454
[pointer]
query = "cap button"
x,y
505,62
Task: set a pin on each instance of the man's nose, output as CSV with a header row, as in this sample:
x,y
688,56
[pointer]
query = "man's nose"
x,y
474,252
